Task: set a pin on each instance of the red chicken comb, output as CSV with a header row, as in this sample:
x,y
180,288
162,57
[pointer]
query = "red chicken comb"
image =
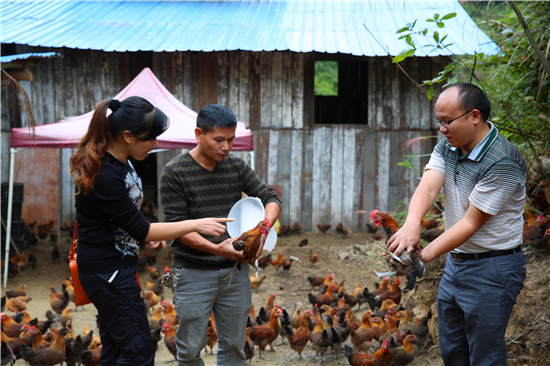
x,y
167,269
373,213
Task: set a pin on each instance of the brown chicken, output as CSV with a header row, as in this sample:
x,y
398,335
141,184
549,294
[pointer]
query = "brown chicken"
x,y
323,228
19,292
433,233
384,309
157,316
15,343
170,339
256,282
211,334
373,298
44,229
407,264
150,299
278,263
170,315
296,319
299,338
153,272
50,356
318,281
264,261
349,299
303,243
392,328
16,305
320,338
10,326
66,314
96,341
363,336
157,288
404,355
313,258
381,357
340,229
262,335
70,290
249,243
286,265
58,302
38,340
533,235
92,357
248,347
323,299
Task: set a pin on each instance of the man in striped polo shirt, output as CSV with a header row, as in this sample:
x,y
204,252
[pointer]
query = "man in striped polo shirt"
x,y
207,182
483,177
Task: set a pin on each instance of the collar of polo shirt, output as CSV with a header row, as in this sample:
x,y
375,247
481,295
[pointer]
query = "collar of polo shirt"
x,y
481,148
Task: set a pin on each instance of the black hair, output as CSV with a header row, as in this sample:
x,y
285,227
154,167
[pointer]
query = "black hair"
x,y
137,115
472,97
215,115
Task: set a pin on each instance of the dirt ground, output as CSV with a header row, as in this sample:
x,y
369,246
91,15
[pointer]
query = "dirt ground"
x,y
352,259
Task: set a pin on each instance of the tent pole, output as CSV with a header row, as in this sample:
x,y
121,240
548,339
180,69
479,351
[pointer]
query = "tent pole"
x,y
10,203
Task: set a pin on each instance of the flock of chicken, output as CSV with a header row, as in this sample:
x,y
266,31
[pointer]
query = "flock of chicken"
x,y
387,334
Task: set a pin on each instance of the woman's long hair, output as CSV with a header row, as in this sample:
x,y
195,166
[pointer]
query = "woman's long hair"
x,y
134,114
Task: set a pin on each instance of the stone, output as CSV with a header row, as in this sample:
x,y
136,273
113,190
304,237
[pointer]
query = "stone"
x,y
343,255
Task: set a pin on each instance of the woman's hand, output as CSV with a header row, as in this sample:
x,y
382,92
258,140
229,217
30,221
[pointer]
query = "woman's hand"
x,y
212,226
158,245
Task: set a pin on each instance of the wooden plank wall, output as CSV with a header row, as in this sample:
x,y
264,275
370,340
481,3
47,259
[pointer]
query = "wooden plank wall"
x,y
326,172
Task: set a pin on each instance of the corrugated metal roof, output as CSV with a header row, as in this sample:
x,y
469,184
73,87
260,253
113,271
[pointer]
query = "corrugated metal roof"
x,y
300,26
26,56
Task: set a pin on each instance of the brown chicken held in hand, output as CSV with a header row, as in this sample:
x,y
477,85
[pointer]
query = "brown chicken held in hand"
x,y
249,243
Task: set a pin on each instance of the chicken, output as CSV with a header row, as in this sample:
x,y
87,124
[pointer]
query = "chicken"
x,y
50,356
361,299
299,338
420,330
333,335
150,299
534,235
382,330
157,288
431,234
15,343
269,306
74,348
32,262
349,299
407,264
170,315
256,282
362,337
264,261
340,229
170,339
384,308
262,335
95,340
296,228
381,357
53,237
404,355
91,357
319,337
153,272
303,243
323,228
55,254
392,328
70,290
373,298
278,263
38,340
296,318
58,302
284,322
10,326
248,347
323,299
285,230
211,334
44,229
251,322
313,258
7,354
286,265
341,325
318,281
16,305
20,291
19,261
156,318
249,243
66,314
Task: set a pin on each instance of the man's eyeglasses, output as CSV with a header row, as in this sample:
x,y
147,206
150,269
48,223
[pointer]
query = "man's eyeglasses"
x,y
447,123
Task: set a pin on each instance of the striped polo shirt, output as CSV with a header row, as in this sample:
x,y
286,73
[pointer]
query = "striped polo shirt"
x,y
492,178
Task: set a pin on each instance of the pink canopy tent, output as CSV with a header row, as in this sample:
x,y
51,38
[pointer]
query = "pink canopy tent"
x,y
180,133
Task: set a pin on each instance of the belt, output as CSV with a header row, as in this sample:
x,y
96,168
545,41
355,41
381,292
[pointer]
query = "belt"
x,y
459,257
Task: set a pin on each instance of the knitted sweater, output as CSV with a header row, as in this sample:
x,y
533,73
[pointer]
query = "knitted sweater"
x,y
190,191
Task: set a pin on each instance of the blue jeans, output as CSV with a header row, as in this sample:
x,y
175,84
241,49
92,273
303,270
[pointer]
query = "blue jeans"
x,y
474,304
197,292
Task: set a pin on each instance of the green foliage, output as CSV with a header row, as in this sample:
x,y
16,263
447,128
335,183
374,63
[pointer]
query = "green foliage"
x,y
515,80
326,78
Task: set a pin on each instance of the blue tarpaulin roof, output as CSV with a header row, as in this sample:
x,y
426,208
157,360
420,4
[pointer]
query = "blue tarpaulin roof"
x,y
300,26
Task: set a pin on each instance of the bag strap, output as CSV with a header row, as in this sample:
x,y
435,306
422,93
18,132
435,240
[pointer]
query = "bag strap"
x,y
72,253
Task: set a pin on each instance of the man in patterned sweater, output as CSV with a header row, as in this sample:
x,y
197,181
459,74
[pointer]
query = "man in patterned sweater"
x,y
207,182
483,176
